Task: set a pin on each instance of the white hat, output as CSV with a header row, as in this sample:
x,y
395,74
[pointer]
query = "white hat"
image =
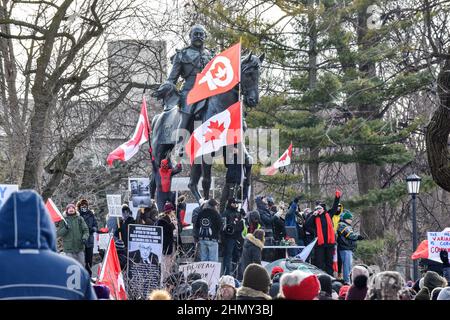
x,y
227,281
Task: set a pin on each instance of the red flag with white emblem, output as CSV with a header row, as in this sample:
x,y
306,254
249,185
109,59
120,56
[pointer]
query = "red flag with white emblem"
x,y
283,161
220,130
53,210
220,75
141,135
111,274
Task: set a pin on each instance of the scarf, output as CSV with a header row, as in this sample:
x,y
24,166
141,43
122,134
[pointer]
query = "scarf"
x,y
330,230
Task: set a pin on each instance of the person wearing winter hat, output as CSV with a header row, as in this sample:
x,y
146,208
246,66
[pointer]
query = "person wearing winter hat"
x,y
168,227
255,285
385,285
431,280
253,246
336,285
193,276
199,290
206,231
299,285
276,274
346,243
89,217
226,289
162,179
445,265
326,290
122,230
74,232
102,292
444,294
159,295
358,289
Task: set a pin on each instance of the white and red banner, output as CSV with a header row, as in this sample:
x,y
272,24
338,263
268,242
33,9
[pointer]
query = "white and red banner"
x,y
141,135
283,161
220,75
220,130
53,210
111,274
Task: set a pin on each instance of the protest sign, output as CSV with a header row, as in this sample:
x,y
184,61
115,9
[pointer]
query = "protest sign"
x,y
5,192
189,210
114,202
101,241
210,272
437,242
144,261
139,194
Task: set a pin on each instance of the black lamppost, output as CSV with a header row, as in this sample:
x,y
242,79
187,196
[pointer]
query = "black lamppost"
x,y
413,182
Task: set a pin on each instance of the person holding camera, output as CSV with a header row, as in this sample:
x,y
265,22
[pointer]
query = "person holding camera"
x,y
74,232
346,243
232,230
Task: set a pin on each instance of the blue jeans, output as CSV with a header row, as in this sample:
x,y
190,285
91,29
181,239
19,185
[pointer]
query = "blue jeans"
x,y
209,250
229,245
347,260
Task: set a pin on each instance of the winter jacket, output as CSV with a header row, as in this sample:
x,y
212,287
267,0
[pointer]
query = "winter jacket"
x,y
246,293
232,222
76,235
252,251
92,225
356,293
168,227
291,214
208,224
275,288
123,230
279,228
310,226
346,238
28,244
264,212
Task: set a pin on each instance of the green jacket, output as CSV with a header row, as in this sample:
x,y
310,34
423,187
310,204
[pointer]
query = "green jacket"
x,y
74,236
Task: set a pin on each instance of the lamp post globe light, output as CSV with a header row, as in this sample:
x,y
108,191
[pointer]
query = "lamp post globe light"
x,y
413,183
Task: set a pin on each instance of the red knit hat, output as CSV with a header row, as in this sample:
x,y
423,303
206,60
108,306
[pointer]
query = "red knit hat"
x,y
276,270
299,285
343,291
168,207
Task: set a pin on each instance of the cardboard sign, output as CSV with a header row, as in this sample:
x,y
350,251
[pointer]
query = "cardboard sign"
x,y
5,192
209,270
114,202
144,263
437,242
189,210
101,241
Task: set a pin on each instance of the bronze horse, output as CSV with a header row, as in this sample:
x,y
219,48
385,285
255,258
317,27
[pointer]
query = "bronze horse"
x,y
164,125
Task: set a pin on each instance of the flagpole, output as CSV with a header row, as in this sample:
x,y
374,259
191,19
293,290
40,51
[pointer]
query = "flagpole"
x,y
242,123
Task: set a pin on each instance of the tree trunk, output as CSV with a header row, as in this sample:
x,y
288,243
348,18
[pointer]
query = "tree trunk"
x,y
438,131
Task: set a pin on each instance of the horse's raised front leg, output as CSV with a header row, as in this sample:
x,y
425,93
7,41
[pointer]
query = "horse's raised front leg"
x,y
196,173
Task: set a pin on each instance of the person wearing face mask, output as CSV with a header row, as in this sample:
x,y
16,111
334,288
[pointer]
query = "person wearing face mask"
x,y
163,180
91,222
74,232
187,63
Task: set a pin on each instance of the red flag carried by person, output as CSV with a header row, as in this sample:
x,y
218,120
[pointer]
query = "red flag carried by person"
x,y
283,161
53,210
111,275
220,130
421,251
220,75
141,135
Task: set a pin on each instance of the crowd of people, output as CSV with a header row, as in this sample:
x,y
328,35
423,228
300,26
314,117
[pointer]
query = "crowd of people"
x,y
28,242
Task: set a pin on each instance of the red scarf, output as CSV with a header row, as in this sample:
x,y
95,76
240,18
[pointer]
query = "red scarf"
x,y
330,230
165,179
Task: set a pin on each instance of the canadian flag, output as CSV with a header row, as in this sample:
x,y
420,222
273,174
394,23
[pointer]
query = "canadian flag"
x,y
53,210
283,161
220,75
141,135
220,130
111,274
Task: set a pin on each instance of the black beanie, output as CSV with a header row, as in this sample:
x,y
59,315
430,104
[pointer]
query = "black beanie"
x,y
325,283
256,278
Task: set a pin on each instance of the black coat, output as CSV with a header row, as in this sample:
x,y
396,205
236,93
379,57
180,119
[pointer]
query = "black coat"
x,y
92,224
208,225
233,221
234,172
168,228
252,251
123,230
264,212
310,223
279,228
275,288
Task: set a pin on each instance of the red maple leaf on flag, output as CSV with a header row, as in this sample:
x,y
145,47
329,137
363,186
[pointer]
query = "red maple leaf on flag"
x,y
216,131
284,157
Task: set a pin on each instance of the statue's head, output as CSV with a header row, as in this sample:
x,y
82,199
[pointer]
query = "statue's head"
x,y
198,36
